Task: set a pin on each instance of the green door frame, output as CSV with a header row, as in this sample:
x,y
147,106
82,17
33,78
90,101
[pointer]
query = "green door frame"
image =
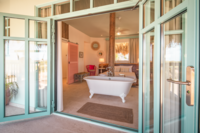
x,y
192,7
2,67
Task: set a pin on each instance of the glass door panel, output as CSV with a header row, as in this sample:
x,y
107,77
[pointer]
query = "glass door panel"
x,y
148,12
14,77
14,27
37,76
25,85
173,67
148,87
168,5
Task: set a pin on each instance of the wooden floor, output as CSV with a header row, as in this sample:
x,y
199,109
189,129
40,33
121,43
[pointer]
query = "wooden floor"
x,y
77,94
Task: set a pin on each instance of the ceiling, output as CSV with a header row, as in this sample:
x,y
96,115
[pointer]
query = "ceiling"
x,y
98,25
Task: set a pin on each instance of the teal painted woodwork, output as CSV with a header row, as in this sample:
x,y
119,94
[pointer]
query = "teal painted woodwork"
x,y
192,8
2,68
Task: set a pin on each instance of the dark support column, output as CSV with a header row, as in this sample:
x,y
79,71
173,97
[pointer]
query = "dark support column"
x,y
112,41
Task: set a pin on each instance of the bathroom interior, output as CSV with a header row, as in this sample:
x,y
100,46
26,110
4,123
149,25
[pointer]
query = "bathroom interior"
x,y
87,86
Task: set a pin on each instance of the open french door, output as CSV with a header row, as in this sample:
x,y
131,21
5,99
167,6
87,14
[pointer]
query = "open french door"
x,y
170,68
25,67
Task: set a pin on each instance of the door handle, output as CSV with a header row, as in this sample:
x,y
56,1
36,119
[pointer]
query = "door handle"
x,y
179,82
190,77
69,62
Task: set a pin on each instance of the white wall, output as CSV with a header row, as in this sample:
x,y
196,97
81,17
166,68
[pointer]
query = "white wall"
x,y
77,36
91,56
23,7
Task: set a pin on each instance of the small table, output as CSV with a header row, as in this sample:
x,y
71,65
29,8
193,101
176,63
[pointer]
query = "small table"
x,y
79,76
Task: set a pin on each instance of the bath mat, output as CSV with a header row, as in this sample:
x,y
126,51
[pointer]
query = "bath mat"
x,y
107,112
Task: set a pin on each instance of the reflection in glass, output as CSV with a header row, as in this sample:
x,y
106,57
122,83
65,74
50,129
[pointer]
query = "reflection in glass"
x,y
81,5
172,60
37,29
148,12
167,5
14,77
44,12
61,8
14,27
37,76
148,86
102,2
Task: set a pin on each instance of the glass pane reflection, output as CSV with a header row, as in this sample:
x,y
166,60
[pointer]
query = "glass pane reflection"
x,y
148,86
14,77
148,12
37,77
172,60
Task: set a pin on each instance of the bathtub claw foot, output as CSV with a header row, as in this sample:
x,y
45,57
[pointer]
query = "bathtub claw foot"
x,y
91,94
123,97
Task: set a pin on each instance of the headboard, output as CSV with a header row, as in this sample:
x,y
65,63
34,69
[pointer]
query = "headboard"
x,y
134,68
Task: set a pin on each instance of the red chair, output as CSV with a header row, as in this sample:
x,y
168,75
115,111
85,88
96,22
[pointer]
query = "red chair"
x,y
91,69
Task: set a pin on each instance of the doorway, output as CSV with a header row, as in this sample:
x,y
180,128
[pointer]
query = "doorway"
x,y
91,35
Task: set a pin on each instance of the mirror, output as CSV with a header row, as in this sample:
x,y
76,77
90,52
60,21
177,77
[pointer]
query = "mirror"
x,y
95,45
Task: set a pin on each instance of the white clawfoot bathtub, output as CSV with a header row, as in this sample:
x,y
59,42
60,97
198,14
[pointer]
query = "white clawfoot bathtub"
x,y
115,86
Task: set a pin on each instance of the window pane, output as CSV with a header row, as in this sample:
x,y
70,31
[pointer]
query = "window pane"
x,y
62,8
148,12
122,51
37,29
81,5
148,87
14,77
167,5
14,27
44,12
37,77
172,61
102,2
122,0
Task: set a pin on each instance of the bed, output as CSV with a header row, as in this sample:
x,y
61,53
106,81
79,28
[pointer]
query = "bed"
x,y
133,73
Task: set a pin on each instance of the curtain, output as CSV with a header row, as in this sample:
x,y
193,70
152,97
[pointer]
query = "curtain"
x,y
134,50
42,26
102,2
60,9
59,69
172,69
107,51
45,12
81,4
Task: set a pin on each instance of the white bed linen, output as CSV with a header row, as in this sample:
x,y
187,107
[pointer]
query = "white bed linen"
x,y
127,74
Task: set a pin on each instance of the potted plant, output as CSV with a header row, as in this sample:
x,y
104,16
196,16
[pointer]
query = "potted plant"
x,y
11,90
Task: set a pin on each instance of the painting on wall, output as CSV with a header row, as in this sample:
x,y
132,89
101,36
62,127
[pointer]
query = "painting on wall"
x,y
80,54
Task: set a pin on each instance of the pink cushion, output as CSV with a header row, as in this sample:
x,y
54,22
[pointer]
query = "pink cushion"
x,y
91,67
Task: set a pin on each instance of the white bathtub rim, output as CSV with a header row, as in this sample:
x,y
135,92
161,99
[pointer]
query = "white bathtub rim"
x,y
130,80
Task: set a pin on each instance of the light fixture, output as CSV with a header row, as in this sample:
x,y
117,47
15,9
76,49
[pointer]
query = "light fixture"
x,y
101,60
118,33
